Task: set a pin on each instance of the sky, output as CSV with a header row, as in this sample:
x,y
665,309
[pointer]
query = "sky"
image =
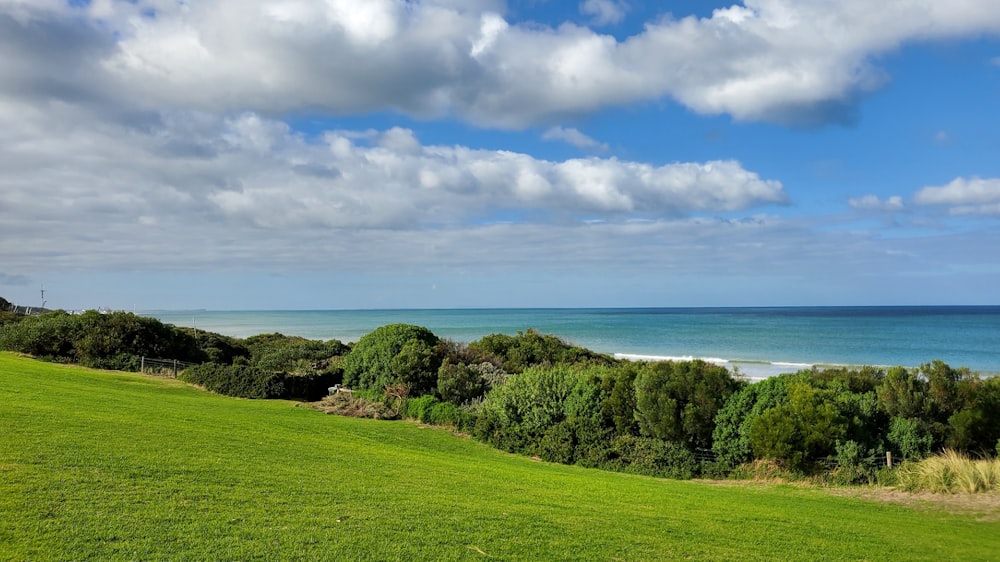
x,y
335,154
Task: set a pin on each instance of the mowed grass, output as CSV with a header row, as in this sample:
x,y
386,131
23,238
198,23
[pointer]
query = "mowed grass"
x,y
98,465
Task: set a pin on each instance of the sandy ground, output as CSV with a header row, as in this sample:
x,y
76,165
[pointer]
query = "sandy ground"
x,y
983,506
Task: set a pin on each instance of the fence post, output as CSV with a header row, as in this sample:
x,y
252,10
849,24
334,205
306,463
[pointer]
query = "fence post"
x,y
175,368
888,459
142,364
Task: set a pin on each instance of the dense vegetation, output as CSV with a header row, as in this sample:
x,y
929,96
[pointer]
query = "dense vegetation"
x,y
537,395
114,466
264,366
112,341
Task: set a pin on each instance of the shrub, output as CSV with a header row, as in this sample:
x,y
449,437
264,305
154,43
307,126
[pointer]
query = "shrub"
x,y
653,457
420,408
51,334
239,380
619,405
910,438
516,415
731,436
557,444
678,401
394,354
459,383
800,431
530,348
99,340
448,414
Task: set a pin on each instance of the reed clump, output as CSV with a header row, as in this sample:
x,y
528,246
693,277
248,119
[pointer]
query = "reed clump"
x,y
951,472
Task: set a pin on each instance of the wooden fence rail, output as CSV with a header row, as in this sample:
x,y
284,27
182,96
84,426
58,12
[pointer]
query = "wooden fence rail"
x,y
169,367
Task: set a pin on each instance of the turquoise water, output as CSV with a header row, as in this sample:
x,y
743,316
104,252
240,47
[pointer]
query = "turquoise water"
x,y
758,341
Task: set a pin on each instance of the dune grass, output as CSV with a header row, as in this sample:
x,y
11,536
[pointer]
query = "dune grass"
x,y
951,472
99,465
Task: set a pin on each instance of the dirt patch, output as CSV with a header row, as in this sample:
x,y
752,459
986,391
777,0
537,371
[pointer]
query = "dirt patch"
x,y
984,506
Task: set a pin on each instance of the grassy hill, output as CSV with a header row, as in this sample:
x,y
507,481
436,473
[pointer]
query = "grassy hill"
x,y
103,465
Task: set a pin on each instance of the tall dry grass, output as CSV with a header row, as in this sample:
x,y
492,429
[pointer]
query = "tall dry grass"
x,y
951,472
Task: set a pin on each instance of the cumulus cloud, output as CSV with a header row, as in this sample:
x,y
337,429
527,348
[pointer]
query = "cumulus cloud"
x,y
245,182
779,60
875,203
964,196
604,12
574,137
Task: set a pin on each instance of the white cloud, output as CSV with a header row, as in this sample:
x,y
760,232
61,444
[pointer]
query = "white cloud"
x,y
780,60
604,12
574,137
185,187
973,196
874,203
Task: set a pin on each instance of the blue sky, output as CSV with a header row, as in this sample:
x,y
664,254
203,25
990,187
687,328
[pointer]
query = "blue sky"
x,y
291,154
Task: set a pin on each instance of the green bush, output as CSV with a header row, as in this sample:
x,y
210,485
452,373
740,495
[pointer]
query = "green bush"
x,y
557,444
420,408
459,383
52,334
530,348
448,414
392,355
112,341
909,438
801,431
619,405
731,436
239,380
516,415
653,457
678,401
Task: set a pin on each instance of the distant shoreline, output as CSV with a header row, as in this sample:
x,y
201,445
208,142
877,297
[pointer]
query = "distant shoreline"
x,y
758,341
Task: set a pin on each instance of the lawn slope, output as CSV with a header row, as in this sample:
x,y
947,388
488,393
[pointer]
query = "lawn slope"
x,y
99,465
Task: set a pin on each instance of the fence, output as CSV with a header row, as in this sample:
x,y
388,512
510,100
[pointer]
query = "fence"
x,y
829,464
26,310
168,367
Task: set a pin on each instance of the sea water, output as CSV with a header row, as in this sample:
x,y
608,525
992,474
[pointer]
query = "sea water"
x,y
759,342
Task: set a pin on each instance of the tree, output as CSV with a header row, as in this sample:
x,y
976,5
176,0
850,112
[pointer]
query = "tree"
x,y
902,394
678,401
731,437
800,431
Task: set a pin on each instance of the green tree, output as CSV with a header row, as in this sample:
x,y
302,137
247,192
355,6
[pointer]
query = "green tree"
x,y
619,402
678,401
902,394
800,431
909,438
731,436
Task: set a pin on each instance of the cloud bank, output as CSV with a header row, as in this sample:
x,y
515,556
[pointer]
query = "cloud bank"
x,y
773,60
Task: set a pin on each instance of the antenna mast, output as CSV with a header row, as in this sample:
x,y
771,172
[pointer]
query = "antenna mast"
x,y
43,296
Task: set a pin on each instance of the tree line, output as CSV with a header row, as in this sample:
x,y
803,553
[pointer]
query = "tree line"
x,y
535,394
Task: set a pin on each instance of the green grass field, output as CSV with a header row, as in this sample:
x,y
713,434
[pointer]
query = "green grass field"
x,y
98,465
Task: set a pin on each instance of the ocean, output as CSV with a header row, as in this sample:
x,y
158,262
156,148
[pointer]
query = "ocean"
x,y
759,342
